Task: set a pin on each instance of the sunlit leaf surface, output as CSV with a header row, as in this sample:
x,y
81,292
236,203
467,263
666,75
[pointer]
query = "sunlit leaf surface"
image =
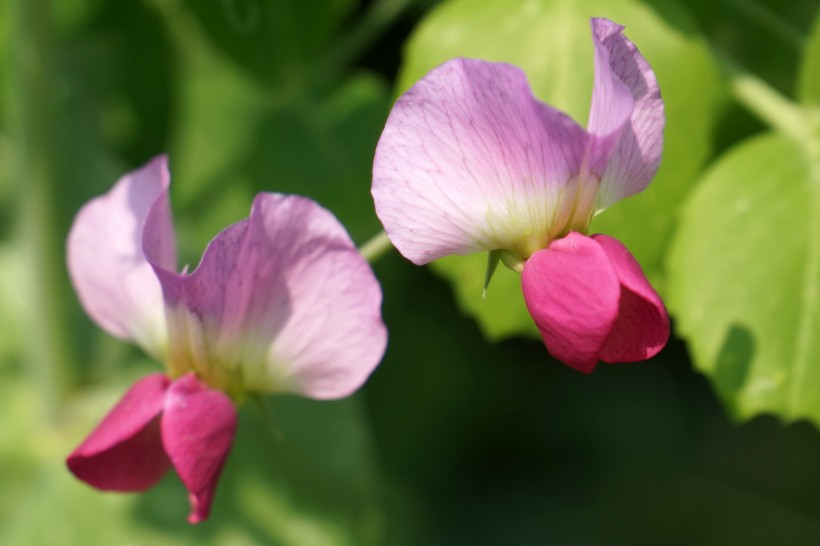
x,y
746,275
745,267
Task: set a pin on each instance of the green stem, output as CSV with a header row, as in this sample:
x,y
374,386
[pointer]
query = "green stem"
x,y
33,82
765,102
378,18
770,20
261,404
376,247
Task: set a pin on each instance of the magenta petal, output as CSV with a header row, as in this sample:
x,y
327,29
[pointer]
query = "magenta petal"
x,y
626,117
572,293
198,427
642,328
124,452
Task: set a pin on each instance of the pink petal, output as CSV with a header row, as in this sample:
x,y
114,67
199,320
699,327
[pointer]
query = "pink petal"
x,y
334,335
612,101
124,452
198,427
572,293
469,160
642,328
116,285
626,117
284,300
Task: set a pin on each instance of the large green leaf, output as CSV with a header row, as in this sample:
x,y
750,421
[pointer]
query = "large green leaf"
x,y
745,265
744,278
550,40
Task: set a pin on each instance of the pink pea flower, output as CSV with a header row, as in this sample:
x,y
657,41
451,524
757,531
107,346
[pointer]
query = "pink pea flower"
x,y
469,160
281,302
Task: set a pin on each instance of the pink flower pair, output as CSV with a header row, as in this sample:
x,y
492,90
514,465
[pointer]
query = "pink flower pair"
x,y
468,161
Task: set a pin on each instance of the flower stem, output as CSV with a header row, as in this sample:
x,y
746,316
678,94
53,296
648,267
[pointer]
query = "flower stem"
x,y
376,247
765,102
261,404
34,112
770,20
378,18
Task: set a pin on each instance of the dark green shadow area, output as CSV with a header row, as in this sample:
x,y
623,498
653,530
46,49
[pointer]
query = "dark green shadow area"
x,y
499,444
732,364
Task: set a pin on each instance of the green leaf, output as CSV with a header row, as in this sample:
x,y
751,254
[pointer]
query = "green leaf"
x,y
744,278
493,257
809,78
551,41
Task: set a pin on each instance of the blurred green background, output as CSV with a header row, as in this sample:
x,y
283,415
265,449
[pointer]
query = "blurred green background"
x,y
468,432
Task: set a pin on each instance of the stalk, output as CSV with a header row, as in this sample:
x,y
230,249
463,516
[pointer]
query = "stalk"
x,y
33,109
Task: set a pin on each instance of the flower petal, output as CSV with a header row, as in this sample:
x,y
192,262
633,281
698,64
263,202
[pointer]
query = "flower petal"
x,y
282,301
572,293
198,428
334,335
115,284
612,101
626,118
124,452
642,328
469,160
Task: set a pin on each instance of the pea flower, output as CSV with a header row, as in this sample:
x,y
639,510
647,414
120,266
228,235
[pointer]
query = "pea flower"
x,y
470,160
281,302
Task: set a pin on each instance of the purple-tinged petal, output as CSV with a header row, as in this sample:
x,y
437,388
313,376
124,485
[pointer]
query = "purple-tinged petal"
x,y
612,101
124,452
334,335
642,328
626,117
469,160
116,285
572,293
157,237
282,301
198,428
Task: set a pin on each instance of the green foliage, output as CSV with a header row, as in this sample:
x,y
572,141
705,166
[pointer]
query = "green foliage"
x,y
551,42
235,137
744,272
453,440
275,42
488,444
745,265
